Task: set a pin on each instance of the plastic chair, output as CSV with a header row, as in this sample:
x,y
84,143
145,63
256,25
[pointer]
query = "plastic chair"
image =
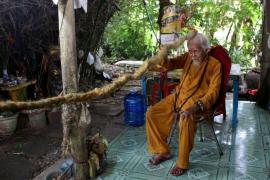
x,y
166,88
199,119
218,108
155,95
162,88
203,119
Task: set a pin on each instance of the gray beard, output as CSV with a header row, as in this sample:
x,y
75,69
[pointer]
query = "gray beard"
x,y
196,63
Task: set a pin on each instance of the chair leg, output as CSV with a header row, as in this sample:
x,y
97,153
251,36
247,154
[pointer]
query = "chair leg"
x,y
201,133
218,145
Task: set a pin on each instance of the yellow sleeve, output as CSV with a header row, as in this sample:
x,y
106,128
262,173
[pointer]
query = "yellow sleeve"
x,y
212,94
175,63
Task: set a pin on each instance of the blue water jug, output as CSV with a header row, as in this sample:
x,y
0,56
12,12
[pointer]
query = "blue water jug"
x,y
134,109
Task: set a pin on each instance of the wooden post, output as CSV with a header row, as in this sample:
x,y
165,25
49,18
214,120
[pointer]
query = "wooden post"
x,y
74,136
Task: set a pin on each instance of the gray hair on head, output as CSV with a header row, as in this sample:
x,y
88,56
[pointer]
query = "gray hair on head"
x,y
202,39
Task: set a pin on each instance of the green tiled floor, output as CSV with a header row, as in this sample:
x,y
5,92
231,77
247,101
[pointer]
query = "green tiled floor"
x,y
246,151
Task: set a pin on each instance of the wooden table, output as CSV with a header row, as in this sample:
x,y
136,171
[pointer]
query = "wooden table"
x,y
14,91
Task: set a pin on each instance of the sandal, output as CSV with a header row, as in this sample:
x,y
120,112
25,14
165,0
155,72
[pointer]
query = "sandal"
x,y
159,158
176,171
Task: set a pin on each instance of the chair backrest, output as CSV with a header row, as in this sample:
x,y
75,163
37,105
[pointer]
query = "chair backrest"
x,y
221,54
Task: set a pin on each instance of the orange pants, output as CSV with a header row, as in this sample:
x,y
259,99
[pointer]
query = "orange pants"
x,y
159,121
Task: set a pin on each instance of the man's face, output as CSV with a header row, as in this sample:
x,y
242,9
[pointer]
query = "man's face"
x,y
195,51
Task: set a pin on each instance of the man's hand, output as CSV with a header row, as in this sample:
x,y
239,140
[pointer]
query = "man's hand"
x,y
189,111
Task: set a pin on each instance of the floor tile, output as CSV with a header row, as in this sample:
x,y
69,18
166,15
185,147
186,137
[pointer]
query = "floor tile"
x,y
244,139
144,167
113,175
246,151
198,171
242,174
143,151
128,144
139,176
118,160
244,157
266,141
209,155
222,173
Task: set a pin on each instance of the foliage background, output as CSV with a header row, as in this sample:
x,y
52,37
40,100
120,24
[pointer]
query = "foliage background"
x,y
129,33
235,24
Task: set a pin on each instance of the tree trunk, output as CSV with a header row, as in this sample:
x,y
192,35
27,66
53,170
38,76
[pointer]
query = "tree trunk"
x,y
74,136
93,24
264,90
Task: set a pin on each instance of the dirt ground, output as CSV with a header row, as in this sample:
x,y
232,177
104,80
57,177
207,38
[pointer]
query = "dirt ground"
x,y
28,152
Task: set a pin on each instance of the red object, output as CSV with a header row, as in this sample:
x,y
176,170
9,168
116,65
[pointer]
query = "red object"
x,y
252,92
221,54
168,88
155,93
162,88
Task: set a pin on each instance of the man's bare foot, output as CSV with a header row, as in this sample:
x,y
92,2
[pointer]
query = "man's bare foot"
x,y
159,158
176,171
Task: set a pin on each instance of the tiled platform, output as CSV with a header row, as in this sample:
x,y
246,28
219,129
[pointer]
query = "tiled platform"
x,y
246,152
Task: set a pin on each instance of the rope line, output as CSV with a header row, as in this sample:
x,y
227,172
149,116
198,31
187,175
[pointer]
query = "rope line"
x,y
96,93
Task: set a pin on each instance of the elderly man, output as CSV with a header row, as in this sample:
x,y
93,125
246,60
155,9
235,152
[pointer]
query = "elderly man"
x,y
197,92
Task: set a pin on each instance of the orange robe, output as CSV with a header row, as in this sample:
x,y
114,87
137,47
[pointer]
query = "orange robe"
x,y
160,117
